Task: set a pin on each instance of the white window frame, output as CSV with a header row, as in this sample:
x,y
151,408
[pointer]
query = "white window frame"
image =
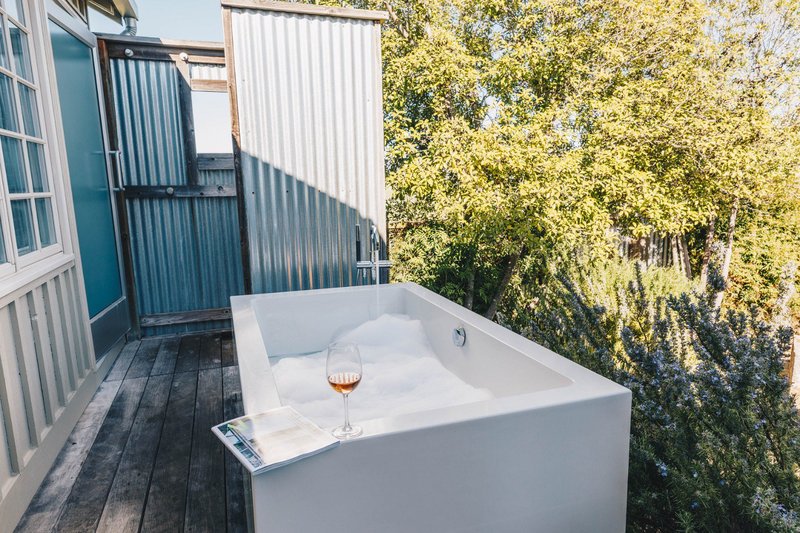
x,y
18,263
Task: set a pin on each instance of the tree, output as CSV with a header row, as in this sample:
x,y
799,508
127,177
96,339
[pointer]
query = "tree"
x,y
519,131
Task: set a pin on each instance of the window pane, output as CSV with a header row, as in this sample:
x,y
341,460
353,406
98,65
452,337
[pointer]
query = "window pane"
x,y
3,258
8,106
38,169
30,113
23,226
44,216
15,165
3,52
22,55
15,9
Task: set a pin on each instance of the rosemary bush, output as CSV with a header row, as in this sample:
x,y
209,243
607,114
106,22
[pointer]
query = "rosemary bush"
x,y
715,435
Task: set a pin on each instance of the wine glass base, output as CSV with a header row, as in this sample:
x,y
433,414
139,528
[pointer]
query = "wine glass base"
x,y
343,434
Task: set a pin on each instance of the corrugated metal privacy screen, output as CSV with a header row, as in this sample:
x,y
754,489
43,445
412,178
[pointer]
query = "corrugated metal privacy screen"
x,y
311,141
184,249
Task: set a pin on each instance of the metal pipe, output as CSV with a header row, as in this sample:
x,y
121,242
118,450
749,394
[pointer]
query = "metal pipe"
x,y
130,24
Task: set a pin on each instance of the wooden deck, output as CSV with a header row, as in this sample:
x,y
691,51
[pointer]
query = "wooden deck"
x,y
142,456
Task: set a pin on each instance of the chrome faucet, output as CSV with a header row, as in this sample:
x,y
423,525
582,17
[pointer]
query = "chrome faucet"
x,y
374,264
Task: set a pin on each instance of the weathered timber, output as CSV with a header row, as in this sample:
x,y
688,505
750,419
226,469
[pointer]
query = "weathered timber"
x,y
145,357
43,511
87,498
166,499
205,496
235,474
126,498
188,354
167,356
210,352
123,362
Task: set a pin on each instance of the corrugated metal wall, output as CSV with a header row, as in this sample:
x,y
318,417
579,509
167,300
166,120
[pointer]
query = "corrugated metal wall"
x,y
311,140
185,251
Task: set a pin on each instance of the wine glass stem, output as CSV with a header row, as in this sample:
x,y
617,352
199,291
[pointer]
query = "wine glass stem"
x,y
346,414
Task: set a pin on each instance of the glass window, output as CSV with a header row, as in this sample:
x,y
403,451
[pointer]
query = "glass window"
x,y
3,52
3,258
38,169
15,8
14,163
28,210
44,217
22,55
30,113
8,105
23,226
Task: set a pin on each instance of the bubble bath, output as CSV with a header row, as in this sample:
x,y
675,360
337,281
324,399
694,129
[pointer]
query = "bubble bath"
x,y
401,374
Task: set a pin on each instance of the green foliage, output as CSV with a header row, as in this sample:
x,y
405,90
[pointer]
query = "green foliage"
x,y
715,436
520,132
767,242
531,127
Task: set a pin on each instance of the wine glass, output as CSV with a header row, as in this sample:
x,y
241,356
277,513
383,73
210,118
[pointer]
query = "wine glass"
x,y
343,369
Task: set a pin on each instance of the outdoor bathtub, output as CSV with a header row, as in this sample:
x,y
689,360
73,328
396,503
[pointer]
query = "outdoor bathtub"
x,y
548,453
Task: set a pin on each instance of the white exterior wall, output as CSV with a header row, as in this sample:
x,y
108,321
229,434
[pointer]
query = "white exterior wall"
x,y
48,372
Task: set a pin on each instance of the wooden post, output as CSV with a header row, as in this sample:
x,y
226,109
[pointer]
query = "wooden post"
x,y
241,209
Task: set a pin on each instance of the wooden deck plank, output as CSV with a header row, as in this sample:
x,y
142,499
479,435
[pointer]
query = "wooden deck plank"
x,y
85,503
142,456
205,498
235,473
166,499
228,352
188,354
126,498
210,352
123,362
46,505
167,356
144,360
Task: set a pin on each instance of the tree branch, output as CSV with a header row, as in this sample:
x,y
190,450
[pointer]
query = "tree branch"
x,y
726,261
707,249
394,18
501,289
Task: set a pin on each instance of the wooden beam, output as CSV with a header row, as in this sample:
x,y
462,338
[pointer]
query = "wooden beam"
x,y
212,86
215,161
244,239
114,40
308,9
185,317
187,121
122,208
180,191
154,53
206,60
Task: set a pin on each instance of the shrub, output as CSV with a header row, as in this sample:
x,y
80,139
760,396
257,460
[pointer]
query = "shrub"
x,y
715,435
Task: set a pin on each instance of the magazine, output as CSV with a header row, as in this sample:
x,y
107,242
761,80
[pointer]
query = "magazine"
x,y
273,439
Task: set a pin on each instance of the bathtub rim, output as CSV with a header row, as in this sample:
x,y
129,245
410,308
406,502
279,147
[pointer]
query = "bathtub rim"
x,y
255,370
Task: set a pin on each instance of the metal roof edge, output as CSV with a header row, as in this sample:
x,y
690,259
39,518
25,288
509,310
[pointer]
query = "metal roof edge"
x,y
307,9
157,41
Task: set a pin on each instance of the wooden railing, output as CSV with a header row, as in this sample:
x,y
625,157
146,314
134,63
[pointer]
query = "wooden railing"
x,y
47,375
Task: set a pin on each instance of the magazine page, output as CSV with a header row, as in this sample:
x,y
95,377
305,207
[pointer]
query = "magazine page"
x,y
273,438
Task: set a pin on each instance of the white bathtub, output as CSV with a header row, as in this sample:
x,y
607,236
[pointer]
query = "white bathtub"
x,y
548,453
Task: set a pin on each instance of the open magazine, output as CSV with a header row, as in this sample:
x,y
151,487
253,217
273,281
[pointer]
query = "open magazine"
x,y
272,439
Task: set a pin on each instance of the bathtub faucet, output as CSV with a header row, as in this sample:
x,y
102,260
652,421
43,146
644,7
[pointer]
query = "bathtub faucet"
x,y
375,263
